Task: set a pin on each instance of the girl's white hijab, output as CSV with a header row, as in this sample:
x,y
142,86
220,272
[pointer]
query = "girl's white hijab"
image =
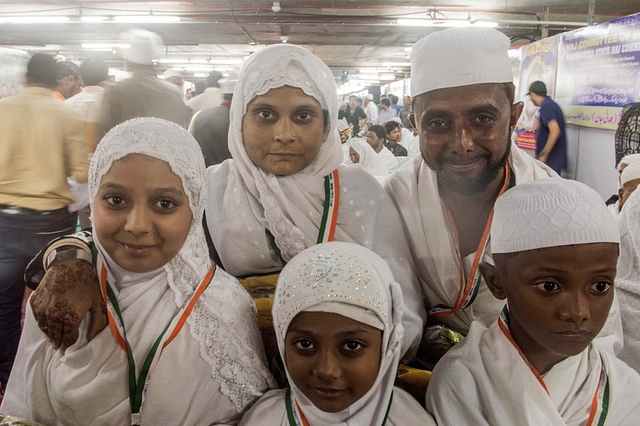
x,y
282,203
172,144
339,278
369,159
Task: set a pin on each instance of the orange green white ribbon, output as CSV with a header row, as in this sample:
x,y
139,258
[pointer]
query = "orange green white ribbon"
x,y
138,388
331,204
600,401
469,287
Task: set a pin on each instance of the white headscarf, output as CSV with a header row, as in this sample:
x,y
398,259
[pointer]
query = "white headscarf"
x,y
282,203
369,159
342,278
222,348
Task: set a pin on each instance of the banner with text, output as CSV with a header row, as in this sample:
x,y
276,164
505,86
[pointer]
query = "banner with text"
x,y
599,72
13,67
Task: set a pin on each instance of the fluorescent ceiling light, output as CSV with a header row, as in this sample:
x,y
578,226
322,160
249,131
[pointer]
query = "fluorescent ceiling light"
x,y
434,22
93,18
387,77
397,64
173,61
368,71
34,19
104,45
200,74
225,61
196,69
485,24
407,49
146,19
367,77
199,61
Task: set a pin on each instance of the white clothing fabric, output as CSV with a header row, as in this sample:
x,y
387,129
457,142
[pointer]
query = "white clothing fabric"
x,y
369,159
550,212
390,161
628,279
87,104
614,209
372,113
631,172
484,380
209,374
143,46
414,189
460,57
270,410
413,146
628,159
320,280
211,97
259,221
407,135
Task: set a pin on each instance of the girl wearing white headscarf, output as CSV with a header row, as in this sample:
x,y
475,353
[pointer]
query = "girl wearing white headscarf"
x,y
321,279
369,159
209,364
258,221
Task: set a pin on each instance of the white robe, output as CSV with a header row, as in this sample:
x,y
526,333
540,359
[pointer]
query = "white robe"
x,y
485,381
390,161
366,216
414,190
88,385
270,410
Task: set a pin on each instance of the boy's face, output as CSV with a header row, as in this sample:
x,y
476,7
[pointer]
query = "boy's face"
x,y
332,359
559,298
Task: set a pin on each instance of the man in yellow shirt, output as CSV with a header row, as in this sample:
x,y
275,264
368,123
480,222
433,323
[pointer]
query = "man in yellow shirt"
x,y
41,144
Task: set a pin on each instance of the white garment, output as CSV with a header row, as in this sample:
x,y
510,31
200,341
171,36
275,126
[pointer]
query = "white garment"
x,y
413,146
246,204
414,189
628,279
87,104
211,97
270,410
485,381
209,374
372,113
614,209
320,280
407,135
369,159
390,161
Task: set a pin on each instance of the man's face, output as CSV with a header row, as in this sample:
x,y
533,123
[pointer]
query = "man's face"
x,y
352,102
627,190
372,140
384,107
406,102
465,134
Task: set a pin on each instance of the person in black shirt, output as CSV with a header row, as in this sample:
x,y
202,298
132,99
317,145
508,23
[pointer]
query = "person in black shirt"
x,y
354,114
394,136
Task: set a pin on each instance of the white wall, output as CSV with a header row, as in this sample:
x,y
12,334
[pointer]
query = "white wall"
x,y
592,159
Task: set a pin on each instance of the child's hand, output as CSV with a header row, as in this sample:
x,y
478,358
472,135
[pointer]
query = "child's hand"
x,y
67,292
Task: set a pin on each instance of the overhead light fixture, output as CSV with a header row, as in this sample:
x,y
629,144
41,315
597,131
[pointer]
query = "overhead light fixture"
x,y
368,77
196,69
104,46
481,23
34,19
199,61
146,19
368,71
93,19
200,74
387,77
407,49
225,61
173,61
444,23
396,64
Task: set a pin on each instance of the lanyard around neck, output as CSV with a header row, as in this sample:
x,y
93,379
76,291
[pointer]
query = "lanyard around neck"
x,y
331,205
469,288
297,418
600,401
137,388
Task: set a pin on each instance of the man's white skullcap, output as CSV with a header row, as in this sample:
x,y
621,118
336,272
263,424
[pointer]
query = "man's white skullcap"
x,y
369,96
171,73
628,159
550,212
396,119
144,46
631,172
228,85
460,57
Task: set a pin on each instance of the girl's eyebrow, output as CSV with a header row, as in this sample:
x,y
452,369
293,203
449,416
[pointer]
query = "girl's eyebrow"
x,y
342,334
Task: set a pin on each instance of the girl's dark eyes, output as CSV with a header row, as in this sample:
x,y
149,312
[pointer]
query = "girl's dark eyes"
x,y
114,200
601,287
353,346
303,344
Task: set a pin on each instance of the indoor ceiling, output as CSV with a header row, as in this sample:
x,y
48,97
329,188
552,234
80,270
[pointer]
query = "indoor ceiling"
x,y
346,34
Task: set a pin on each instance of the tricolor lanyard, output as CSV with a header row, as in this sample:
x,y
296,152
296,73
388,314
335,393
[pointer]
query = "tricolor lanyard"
x,y
600,401
331,204
138,388
296,416
469,288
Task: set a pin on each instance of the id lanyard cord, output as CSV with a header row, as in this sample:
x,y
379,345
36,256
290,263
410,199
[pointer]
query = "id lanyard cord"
x,y
137,388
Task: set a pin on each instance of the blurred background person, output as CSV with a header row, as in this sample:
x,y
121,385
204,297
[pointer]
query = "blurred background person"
x,y
68,76
209,97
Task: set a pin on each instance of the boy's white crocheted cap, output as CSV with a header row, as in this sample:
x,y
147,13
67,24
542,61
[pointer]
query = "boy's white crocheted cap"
x,y
460,57
550,212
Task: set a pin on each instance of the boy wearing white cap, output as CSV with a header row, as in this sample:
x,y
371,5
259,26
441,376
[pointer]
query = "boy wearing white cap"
x,y
539,362
464,112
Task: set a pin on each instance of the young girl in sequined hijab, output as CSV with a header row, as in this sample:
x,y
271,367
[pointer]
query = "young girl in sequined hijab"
x,y
337,314
182,346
